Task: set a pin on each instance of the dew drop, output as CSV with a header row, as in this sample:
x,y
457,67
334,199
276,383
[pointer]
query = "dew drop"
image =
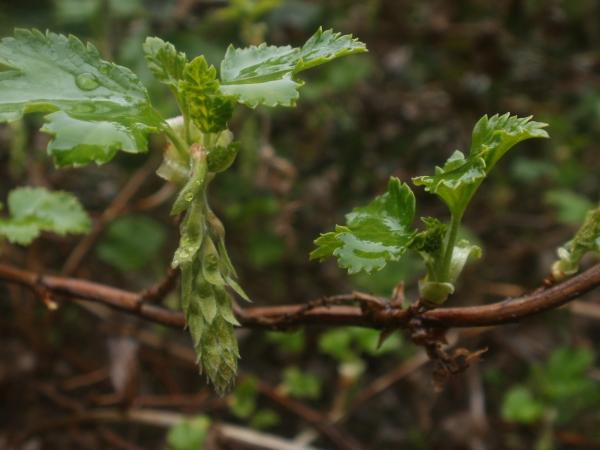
x,y
86,81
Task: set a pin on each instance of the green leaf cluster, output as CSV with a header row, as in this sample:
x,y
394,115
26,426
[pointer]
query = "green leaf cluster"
x,y
33,210
243,403
301,384
94,108
560,388
349,344
383,231
202,146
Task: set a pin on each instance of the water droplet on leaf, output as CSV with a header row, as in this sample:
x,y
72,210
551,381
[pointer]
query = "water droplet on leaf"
x,y
86,81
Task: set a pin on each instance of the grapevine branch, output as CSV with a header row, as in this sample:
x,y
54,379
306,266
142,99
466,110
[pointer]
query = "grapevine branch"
x,y
327,311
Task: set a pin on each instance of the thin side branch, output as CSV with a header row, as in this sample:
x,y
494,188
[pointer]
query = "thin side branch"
x,y
370,314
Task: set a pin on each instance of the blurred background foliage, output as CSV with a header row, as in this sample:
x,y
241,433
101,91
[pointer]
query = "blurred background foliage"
x,y
433,68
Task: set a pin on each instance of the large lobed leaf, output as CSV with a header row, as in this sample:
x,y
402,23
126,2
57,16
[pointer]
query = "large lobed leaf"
x,y
95,107
459,178
265,75
374,234
33,210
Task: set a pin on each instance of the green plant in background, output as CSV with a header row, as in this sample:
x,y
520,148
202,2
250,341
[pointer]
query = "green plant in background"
x,y
556,392
130,242
94,108
382,231
300,384
243,404
189,434
33,210
247,15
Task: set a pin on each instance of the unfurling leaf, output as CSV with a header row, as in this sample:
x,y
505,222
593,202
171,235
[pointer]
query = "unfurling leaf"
x,y
96,107
463,252
164,61
374,234
209,109
265,75
430,241
494,136
587,239
436,292
457,181
33,210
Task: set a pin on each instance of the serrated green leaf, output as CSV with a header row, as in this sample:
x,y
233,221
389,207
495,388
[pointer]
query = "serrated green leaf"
x,y
209,108
164,61
19,232
494,136
264,75
375,234
457,181
32,210
97,107
58,211
76,142
327,244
